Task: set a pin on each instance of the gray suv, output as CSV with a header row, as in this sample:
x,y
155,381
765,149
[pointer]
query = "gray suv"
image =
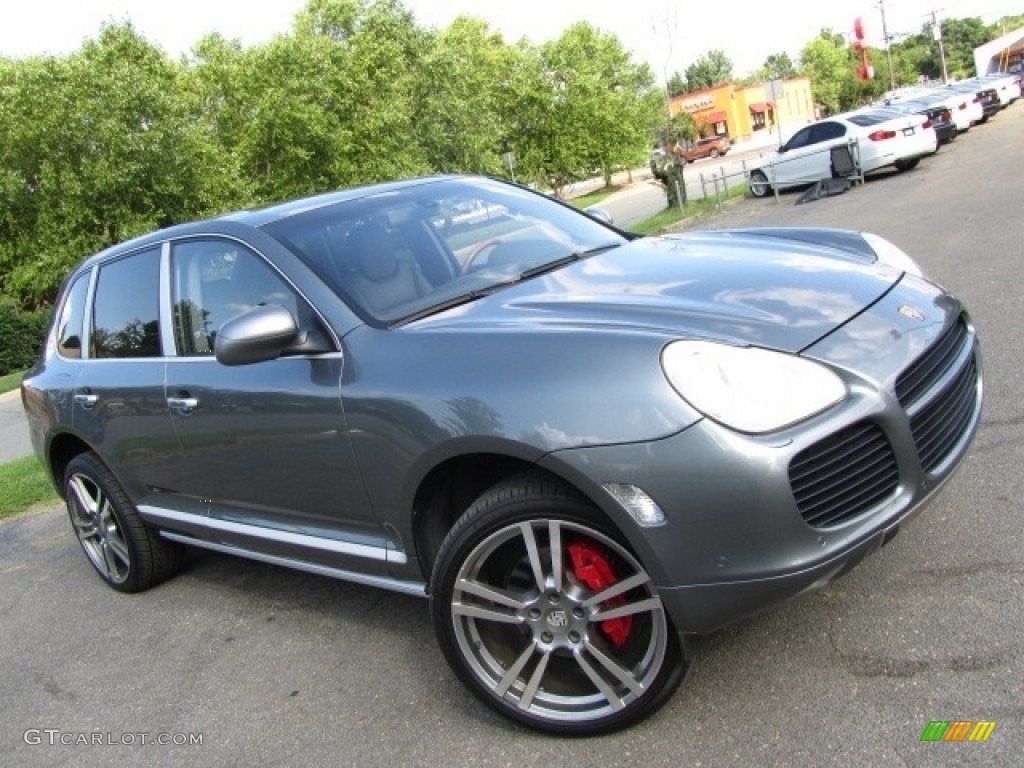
x,y
582,446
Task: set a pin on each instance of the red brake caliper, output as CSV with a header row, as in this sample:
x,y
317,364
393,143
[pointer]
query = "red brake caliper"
x,y
593,569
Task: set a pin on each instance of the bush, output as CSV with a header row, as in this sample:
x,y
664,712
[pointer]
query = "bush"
x,y
21,335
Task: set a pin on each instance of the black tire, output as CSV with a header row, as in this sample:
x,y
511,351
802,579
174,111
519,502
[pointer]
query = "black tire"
x,y
539,653
117,543
759,186
906,165
714,153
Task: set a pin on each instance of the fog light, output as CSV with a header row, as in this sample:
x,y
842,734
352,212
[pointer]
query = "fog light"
x,y
641,507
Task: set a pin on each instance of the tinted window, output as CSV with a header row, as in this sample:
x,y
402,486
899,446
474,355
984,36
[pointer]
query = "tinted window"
x,y
126,310
72,315
799,139
214,280
828,131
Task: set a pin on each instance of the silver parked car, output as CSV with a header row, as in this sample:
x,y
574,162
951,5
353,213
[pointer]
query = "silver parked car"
x,y
583,446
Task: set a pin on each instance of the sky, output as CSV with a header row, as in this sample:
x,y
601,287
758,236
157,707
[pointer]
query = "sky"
x,y
668,35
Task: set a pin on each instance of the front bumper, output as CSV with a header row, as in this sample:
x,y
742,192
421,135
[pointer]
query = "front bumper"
x,y
738,536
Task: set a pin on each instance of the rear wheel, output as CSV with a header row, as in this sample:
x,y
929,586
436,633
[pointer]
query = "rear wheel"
x,y
547,617
906,165
759,186
123,550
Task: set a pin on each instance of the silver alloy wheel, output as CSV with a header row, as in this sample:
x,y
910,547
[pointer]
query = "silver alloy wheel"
x,y
531,630
98,528
759,186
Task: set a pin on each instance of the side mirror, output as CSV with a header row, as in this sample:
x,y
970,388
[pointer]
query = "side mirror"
x,y
600,214
260,334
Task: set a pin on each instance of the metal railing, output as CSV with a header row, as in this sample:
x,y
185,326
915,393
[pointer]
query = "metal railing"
x,y
720,182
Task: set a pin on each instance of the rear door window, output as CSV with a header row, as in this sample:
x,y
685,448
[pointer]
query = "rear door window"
x,y
827,131
126,308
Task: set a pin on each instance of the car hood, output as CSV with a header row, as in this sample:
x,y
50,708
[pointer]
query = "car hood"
x,y
750,287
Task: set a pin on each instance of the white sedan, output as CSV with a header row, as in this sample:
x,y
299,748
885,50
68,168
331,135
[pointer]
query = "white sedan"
x,y
1006,84
964,108
877,137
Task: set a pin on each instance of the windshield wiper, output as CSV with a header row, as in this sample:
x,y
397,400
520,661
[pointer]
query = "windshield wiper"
x,y
433,309
479,293
550,266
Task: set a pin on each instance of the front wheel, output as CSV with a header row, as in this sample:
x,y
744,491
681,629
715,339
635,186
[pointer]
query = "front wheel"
x,y
125,553
759,186
547,617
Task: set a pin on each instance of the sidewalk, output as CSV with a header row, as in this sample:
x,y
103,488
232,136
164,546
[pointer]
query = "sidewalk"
x,y
15,442
619,179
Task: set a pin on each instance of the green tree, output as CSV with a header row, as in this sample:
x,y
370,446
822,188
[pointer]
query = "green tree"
x,y
460,123
94,149
676,84
374,98
826,60
682,127
216,97
604,108
777,66
712,68
959,38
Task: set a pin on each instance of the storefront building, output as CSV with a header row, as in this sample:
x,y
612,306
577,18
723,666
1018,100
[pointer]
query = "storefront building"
x,y
742,112
1005,54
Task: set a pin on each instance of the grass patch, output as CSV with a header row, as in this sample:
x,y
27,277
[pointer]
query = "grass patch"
x,y
10,381
24,483
659,223
593,198
670,220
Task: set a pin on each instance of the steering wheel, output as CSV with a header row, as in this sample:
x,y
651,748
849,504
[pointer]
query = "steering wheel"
x,y
484,246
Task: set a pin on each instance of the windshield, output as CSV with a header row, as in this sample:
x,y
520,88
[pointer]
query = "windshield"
x,y
404,254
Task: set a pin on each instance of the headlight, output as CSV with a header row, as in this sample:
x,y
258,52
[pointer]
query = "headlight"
x,y
888,253
747,388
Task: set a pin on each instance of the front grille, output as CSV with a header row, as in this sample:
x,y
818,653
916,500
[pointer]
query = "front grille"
x,y
939,424
932,366
844,475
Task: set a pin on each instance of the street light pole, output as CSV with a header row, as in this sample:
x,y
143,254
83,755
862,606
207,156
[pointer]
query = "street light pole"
x,y
888,51
669,25
937,33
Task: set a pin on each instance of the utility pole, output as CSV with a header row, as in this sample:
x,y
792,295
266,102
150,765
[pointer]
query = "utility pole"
x,y
669,25
888,51
937,34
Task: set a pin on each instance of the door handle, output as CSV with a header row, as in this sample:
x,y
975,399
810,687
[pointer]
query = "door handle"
x,y
86,399
184,405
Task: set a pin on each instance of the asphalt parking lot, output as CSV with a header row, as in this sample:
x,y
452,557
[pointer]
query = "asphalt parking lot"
x,y
268,667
